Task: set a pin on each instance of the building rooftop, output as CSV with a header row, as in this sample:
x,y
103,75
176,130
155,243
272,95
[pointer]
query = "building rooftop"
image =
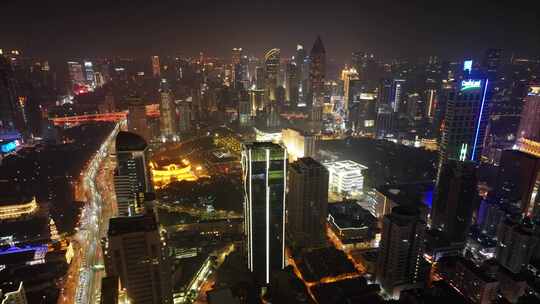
x,y
127,141
131,224
409,194
344,165
305,163
349,214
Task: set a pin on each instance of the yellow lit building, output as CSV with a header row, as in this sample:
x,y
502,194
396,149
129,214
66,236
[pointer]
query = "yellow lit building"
x,y
164,175
15,210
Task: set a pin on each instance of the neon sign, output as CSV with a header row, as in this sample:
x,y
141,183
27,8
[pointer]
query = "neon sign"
x,y
467,65
470,84
463,152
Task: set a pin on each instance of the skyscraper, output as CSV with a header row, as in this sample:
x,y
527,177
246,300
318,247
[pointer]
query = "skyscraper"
x,y
244,110
400,260
492,63
317,71
264,167
516,180
134,253
237,68
89,75
11,113
528,135
515,245
136,121
299,59
307,201
348,75
456,198
156,68
167,118
465,121
132,177
271,64
291,83
185,115
391,92
76,75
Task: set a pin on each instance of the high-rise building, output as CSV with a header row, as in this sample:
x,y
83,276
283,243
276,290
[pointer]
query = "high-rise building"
x,y
399,264
167,118
89,74
136,121
385,123
519,172
244,109
391,92
307,201
156,67
132,177
271,64
291,83
299,59
135,253
456,198
317,71
492,62
347,76
515,245
528,135
465,120
11,113
237,68
264,167
76,75
185,115
368,69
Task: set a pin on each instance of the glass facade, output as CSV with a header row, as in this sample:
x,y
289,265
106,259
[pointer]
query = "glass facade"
x,y
264,175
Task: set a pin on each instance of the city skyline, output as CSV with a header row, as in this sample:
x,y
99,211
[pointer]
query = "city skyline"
x,y
249,152
386,28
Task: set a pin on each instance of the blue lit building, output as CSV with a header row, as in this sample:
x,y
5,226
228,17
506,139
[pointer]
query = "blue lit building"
x,y
465,122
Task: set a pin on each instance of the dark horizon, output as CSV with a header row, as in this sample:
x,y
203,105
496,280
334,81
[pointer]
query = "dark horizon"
x,y
66,30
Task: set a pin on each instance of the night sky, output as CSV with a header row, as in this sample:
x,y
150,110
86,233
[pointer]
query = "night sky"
x,y
71,29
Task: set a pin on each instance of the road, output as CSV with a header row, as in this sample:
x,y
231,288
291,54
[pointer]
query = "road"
x,y
83,281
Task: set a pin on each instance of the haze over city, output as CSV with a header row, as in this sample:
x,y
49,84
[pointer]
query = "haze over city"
x,y
229,152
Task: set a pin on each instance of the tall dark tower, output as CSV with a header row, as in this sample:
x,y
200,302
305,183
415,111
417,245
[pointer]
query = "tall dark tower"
x,y
167,112
399,263
317,71
492,62
456,198
11,113
264,167
308,202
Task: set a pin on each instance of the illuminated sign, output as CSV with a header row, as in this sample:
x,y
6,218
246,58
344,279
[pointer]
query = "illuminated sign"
x,y
467,65
9,147
470,84
463,152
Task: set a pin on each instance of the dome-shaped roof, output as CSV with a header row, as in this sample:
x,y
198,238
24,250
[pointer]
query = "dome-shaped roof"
x,y
127,141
